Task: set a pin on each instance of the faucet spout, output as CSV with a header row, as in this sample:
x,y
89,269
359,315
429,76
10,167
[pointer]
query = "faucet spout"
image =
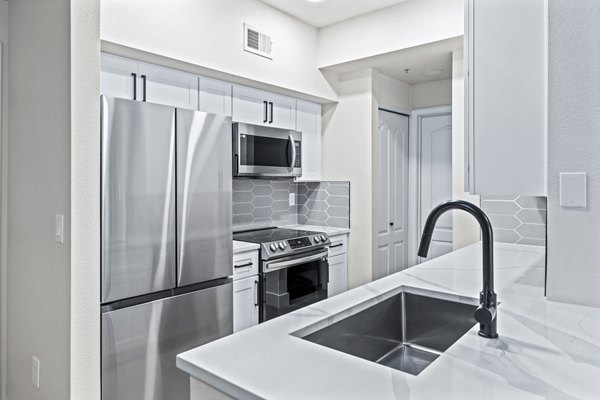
x,y
486,312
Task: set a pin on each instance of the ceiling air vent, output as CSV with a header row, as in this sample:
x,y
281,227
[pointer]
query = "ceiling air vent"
x,y
257,42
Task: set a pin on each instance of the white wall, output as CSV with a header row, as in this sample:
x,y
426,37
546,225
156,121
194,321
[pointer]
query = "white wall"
x,y
573,146
85,195
38,294
209,33
399,27
391,94
347,131
431,94
465,230
3,178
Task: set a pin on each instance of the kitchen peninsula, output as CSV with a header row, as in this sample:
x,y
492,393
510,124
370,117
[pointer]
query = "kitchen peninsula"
x,y
545,349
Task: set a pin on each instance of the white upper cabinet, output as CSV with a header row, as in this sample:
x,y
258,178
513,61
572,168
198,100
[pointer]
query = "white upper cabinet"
x,y
215,96
118,77
308,121
506,101
258,107
169,87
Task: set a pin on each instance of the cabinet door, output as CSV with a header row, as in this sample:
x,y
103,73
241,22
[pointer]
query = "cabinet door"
x,y
506,116
282,111
168,87
258,107
245,303
215,96
338,275
308,121
118,77
250,106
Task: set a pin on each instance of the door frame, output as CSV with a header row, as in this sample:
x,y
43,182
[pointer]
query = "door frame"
x,y
415,224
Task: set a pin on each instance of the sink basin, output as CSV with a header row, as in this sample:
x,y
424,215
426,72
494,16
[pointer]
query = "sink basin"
x,y
406,331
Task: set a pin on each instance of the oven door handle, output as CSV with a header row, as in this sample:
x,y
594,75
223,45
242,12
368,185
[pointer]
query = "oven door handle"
x,y
293,161
273,266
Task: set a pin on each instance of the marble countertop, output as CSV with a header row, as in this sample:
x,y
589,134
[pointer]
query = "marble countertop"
x,y
331,231
546,350
240,247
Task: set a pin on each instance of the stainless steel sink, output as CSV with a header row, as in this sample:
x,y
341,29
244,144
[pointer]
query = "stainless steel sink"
x,y
407,331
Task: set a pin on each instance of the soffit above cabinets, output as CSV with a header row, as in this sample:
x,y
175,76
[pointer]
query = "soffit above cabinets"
x,y
320,13
425,63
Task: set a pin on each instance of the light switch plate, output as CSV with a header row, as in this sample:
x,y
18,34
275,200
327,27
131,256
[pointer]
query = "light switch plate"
x,y
573,189
59,228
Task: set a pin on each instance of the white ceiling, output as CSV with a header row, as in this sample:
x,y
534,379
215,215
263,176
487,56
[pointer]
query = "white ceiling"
x,y
326,12
420,60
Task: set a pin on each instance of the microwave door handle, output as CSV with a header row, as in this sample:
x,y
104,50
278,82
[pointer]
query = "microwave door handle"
x,y
293,162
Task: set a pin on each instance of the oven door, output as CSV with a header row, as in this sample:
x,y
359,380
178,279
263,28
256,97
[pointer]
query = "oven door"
x,y
293,282
267,152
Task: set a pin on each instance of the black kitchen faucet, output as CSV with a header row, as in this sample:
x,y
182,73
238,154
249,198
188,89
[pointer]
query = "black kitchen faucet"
x,y
486,312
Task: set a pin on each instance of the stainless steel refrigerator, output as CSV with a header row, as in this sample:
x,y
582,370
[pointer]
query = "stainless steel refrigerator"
x,y
166,244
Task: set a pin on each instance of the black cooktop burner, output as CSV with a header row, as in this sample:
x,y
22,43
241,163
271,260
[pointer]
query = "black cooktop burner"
x,y
271,235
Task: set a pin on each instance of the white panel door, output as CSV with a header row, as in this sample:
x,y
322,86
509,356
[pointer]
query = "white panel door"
x,y
169,87
308,121
436,177
245,303
393,193
215,96
338,275
118,77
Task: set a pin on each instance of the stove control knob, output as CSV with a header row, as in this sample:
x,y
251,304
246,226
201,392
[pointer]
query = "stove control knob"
x,y
282,245
317,239
273,247
323,238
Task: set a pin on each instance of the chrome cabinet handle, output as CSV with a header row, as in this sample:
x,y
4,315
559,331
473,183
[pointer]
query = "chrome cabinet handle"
x,y
293,162
244,265
333,246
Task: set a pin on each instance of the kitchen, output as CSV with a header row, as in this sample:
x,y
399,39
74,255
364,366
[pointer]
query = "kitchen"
x,y
197,39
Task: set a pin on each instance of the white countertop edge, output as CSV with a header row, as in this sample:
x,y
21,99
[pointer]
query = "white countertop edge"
x,y
240,247
330,230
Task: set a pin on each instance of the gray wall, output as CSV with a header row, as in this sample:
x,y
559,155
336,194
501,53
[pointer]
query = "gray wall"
x,y
39,149
517,219
3,171
574,146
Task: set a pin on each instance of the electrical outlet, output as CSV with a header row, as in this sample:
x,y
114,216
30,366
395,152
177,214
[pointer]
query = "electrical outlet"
x,y
292,199
59,228
35,372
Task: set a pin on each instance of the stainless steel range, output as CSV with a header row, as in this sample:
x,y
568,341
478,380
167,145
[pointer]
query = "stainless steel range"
x,y
294,271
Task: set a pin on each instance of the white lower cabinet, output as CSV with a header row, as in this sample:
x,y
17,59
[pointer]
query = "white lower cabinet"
x,y
245,303
245,290
338,265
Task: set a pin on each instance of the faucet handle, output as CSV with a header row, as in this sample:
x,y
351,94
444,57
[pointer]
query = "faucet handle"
x,y
485,315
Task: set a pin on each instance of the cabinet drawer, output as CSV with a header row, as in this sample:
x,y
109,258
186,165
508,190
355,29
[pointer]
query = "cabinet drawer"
x,y
339,245
245,264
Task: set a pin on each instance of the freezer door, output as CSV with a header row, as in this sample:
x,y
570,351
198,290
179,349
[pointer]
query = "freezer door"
x,y
140,343
138,198
204,217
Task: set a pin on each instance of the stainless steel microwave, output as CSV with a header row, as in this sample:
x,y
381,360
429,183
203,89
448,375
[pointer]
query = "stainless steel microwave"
x,y
261,151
